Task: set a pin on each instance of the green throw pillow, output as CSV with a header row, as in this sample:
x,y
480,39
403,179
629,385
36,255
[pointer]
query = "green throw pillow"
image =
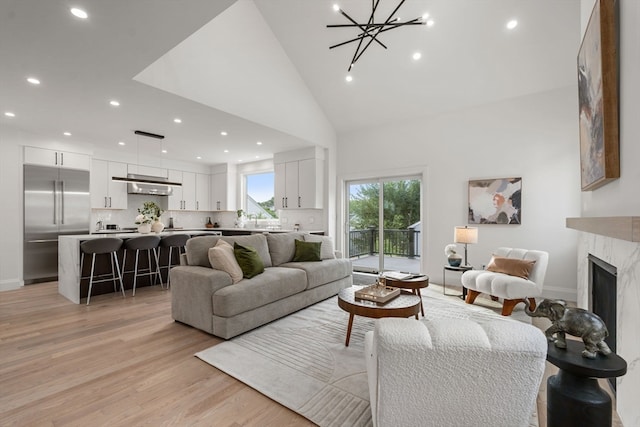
x,y
249,260
307,251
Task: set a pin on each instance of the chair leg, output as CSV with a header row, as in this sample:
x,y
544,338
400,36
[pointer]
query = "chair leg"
x,y
135,273
158,272
508,306
115,258
113,274
471,296
93,263
169,265
532,304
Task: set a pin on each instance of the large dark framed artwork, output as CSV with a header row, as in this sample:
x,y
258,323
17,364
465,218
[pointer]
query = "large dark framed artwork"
x,y
495,201
598,99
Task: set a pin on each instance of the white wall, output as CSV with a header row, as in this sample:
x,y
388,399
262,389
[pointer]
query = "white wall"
x,y
533,137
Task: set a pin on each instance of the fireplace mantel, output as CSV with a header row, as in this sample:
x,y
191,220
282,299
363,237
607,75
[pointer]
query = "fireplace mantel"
x,y
618,227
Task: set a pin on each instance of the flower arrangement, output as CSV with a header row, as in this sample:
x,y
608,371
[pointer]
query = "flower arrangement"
x,y
149,213
450,249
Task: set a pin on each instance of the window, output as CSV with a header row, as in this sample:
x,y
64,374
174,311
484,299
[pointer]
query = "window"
x,y
259,195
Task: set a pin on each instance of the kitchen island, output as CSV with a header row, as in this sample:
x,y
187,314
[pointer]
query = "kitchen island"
x,y
69,284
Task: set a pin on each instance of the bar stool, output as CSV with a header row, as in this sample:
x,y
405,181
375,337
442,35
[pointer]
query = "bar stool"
x,y
138,244
103,245
177,241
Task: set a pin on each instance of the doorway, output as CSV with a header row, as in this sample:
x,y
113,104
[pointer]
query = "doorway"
x,y
383,230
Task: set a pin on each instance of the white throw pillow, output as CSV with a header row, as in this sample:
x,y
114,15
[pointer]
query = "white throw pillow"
x,y
326,249
222,258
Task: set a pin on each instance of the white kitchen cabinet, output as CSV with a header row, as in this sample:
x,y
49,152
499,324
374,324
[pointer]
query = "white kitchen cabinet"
x,y
219,192
202,192
147,170
55,158
105,193
298,184
184,197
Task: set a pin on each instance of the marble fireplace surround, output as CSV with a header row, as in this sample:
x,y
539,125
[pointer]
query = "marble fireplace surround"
x,y
616,240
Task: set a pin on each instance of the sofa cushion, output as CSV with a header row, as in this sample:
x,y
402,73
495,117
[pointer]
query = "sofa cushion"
x,y
274,284
307,251
198,247
282,247
222,258
326,250
320,273
491,283
249,260
511,266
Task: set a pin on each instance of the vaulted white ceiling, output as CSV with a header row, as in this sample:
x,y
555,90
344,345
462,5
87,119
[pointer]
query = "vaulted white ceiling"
x,y
262,70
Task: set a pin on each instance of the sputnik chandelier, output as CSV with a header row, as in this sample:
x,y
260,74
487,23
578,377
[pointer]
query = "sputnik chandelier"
x,y
371,30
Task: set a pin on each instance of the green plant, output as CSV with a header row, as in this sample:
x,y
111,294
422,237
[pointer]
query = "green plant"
x,y
148,213
239,212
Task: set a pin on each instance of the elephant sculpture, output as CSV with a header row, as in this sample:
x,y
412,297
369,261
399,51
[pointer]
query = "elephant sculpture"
x,y
573,321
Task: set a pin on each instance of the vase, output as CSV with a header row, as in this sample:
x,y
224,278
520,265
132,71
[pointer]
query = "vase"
x,y
144,228
157,227
454,260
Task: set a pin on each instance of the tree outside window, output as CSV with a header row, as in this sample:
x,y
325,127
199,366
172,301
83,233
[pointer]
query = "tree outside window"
x,y
259,197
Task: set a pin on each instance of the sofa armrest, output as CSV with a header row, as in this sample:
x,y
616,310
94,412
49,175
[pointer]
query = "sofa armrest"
x,y
192,289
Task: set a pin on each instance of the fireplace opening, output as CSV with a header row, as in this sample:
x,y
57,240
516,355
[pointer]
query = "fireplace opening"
x,y
602,282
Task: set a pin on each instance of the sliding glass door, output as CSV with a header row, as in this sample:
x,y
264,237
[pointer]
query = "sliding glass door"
x,y
383,224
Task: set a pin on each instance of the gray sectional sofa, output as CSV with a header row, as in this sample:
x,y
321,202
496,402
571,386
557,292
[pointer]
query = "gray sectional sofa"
x,y
207,299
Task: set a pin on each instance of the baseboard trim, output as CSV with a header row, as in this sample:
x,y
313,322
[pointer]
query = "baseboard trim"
x,y
10,285
556,292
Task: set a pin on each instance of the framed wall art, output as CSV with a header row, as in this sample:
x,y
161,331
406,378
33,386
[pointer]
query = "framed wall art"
x,y
598,99
495,201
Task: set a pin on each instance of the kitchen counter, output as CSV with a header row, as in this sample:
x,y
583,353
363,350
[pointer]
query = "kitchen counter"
x,y
204,229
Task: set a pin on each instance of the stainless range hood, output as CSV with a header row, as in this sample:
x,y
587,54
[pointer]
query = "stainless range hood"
x,y
144,184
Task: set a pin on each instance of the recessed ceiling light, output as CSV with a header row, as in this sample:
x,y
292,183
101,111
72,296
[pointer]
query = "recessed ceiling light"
x,y
348,78
430,23
425,16
114,103
198,157
33,80
67,134
177,120
9,114
336,8
79,13
223,133
226,151
240,160
259,143
257,157
417,56
121,143
512,24
164,151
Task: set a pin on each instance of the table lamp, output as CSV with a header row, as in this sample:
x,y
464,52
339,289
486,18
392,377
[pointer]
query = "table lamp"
x,y
465,235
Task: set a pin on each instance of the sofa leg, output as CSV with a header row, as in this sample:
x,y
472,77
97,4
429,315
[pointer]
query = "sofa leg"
x,y
508,306
532,303
471,296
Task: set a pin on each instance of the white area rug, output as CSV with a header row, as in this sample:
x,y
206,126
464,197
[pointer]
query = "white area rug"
x,y
301,362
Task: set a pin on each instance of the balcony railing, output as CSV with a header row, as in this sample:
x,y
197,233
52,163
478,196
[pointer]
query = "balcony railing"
x,y
396,242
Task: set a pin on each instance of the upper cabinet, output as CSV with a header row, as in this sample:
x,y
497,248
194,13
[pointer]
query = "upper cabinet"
x,y
202,192
299,179
55,158
184,197
105,193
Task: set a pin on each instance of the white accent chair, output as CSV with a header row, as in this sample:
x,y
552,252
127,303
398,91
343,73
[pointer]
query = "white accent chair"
x,y
510,288
453,372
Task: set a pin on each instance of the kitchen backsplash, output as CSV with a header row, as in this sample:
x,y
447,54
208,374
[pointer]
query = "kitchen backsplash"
x,y
307,219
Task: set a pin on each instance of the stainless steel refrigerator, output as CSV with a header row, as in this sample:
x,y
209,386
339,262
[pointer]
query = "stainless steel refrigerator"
x,y
56,202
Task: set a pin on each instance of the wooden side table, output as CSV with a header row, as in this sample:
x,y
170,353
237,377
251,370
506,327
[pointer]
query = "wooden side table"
x,y
460,269
574,397
404,305
413,284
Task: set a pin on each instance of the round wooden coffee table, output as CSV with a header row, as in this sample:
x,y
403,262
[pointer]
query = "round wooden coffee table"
x,y
404,305
413,284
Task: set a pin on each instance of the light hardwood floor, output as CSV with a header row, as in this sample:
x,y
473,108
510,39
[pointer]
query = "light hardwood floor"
x,y
120,362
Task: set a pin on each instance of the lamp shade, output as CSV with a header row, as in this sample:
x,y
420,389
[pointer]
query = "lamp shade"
x,y
465,235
